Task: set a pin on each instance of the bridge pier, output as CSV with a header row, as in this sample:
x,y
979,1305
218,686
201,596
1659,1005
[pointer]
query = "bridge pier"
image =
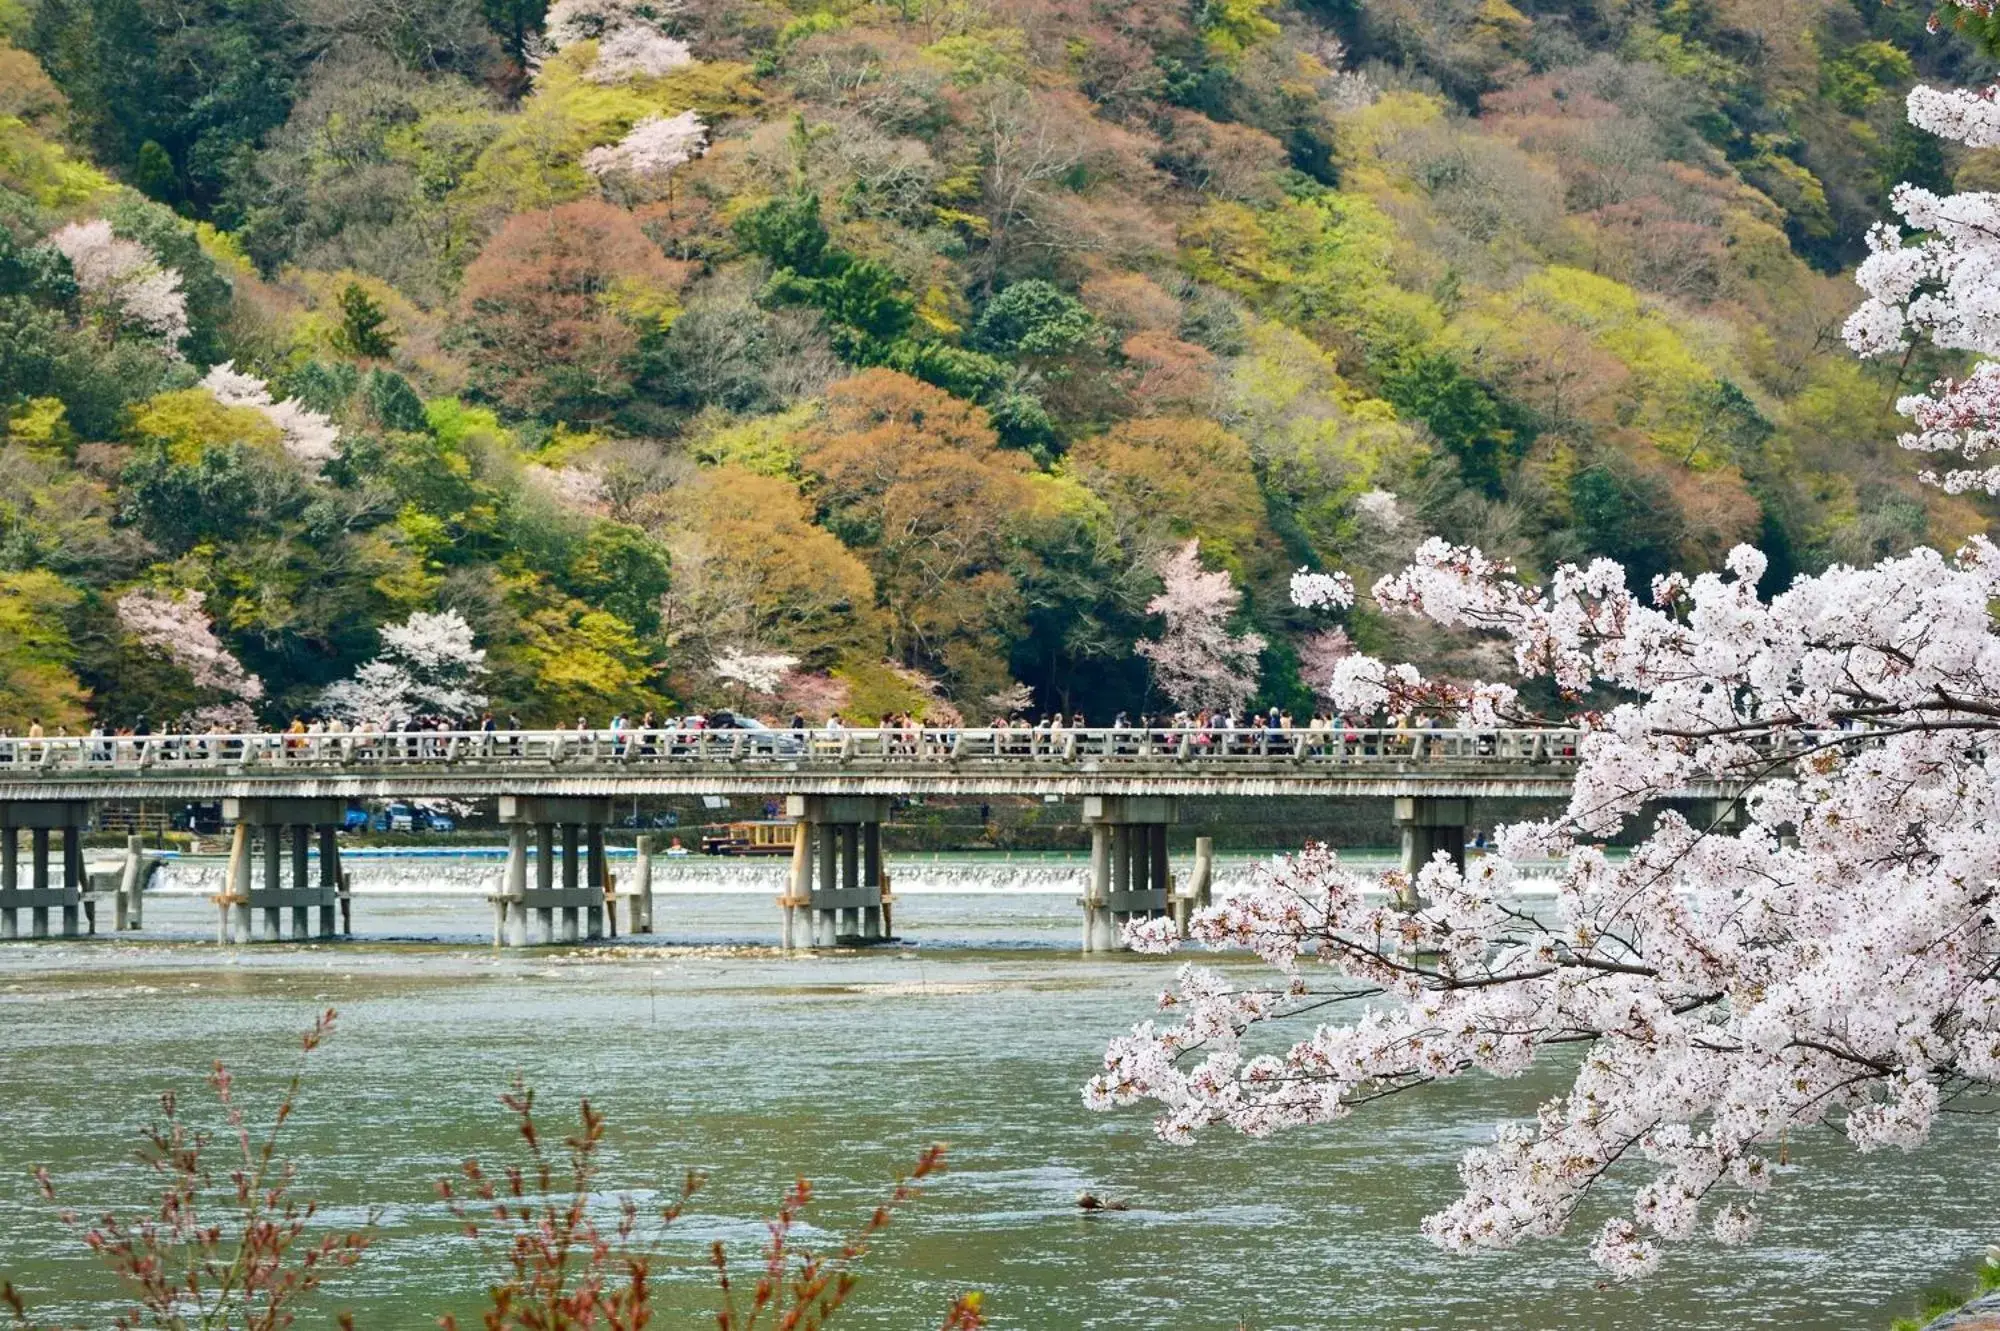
x,y
43,893
1129,878
271,876
837,892
1430,824
561,912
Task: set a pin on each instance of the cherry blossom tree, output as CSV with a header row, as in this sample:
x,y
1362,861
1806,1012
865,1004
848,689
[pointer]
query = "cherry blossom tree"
x,y
1820,949
1011,701
176,624
428,666
125,281
752,672
651,152
630,34
1198,662
309,436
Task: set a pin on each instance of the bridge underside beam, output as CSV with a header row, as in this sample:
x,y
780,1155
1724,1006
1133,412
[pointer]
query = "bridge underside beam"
x,y
838,892
1428,826
1129,877
51,887
273,890
565,900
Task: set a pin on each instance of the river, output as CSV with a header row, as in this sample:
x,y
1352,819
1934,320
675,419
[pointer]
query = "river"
x,y
709,1049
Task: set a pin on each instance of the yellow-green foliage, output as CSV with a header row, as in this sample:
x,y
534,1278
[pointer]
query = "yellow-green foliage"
x,y
809,25
767,445
41,423
1233,27
1652,377
1316,439
1340,252
874,692
190,421
536,160
576,661
35,647
466,428
982,54
33,166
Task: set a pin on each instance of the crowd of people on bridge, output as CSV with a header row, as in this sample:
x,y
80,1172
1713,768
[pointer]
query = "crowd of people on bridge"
x,y
1206,731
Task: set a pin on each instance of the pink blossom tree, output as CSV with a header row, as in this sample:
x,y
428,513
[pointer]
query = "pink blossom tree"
x,y
632,41
1820,951
1197,661
651,152
176,625
124,281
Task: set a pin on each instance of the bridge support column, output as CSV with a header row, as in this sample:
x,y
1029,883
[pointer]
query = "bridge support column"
x,y
598,919
279,892
565,909
60,889
639,904
1725,816
514,889
1128,865
1430,824
571,885
837,879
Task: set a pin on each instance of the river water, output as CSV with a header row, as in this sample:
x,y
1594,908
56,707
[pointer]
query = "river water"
x,y
708,1049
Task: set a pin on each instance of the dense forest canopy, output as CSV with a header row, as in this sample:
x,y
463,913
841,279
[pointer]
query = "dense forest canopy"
x,y
907,344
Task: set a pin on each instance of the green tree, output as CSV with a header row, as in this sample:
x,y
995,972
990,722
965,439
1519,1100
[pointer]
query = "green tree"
x,y
1035,318
364,329
154,174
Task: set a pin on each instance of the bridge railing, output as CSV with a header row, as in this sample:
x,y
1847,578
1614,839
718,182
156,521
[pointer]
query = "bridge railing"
x,y
71,756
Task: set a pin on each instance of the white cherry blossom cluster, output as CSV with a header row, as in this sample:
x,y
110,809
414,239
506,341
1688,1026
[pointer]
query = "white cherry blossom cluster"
x,y
630,34
124,280
1826,955
1322,591
428,666
309,436
177,624
1941,288
651,152
758,672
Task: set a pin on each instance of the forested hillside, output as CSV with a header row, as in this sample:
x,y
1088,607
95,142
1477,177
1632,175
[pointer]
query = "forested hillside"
x,y
908,339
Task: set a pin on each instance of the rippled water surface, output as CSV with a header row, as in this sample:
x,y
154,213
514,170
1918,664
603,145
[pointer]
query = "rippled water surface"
x,y
717,1053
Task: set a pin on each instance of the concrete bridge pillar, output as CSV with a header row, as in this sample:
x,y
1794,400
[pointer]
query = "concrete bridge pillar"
x,y
1129,879
564,907
57,888
1430,824
837,891
272,892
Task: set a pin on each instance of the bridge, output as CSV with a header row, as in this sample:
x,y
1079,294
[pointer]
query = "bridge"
x,y
282,793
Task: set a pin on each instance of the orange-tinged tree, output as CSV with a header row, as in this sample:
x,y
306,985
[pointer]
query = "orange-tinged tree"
x,y
750,567
916,481
553,307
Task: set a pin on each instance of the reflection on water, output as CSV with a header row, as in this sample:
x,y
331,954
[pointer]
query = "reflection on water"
x,y
752,1065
